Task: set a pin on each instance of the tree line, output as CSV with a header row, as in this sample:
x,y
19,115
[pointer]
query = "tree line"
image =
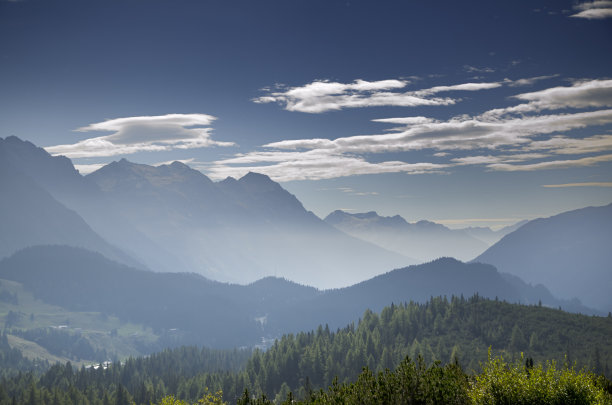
x,y
451,331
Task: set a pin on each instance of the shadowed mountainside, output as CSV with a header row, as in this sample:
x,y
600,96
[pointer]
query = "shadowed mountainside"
x,y
569,253
226,315
173,218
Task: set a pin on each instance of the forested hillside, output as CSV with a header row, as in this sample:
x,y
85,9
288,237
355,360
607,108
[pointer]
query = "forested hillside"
x,y
173,309
458,329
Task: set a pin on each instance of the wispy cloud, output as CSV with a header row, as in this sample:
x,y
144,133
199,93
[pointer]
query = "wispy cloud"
x,y
582,94
459,133
529,81
351,191
169,162
586,184
311,165
563,145
141,134
594,10
321,95
554,164
516,138
473,69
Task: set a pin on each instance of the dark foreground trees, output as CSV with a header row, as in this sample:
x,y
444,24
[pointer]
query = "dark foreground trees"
x,y
500,383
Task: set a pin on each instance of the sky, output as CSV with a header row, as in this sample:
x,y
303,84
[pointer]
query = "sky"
x,y
477,113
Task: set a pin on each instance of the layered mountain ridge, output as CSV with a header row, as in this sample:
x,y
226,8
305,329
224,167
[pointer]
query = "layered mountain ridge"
x,y
569,253
174,218
226,315
423,240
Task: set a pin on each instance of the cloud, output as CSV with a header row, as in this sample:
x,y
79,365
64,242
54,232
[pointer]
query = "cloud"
x,y
586,184
555,164
489,159
527,81
142,134
594,10
472,69
169,162
459,133
321,95
311,165
582,94
516,138
349,190
563,145
85,169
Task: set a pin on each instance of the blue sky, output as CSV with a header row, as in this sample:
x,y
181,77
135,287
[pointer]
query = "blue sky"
x,y
461,112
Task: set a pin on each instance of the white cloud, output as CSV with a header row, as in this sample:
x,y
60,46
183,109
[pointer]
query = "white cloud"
x,y
406,120
594,10
516,138
311,165
582,94
563,145
169,162
349,190
555,164
472,69
321,96
585,184
88,168
527,81
490,159
460,133
141,134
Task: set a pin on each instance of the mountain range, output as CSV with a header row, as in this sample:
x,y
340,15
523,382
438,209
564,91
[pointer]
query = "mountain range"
x,y
423,240
171,218
219,314
569,253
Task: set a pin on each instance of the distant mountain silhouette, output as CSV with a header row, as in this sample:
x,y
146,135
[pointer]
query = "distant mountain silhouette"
x,y
441,277
31,216
570,253
488,235
227,315
174,218
237,230
422,240
204,311
58,177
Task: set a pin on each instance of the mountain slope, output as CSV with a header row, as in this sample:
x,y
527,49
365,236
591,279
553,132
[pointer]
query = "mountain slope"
x,y
489,236
423,240
569,253
237,230
203,311
173,218
441,277
31,216
226,315
57,176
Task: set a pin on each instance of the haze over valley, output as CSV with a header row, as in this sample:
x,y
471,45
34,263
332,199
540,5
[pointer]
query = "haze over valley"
x,y
239,202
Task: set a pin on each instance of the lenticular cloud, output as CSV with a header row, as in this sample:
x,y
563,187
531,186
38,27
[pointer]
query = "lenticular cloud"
x,y
142,134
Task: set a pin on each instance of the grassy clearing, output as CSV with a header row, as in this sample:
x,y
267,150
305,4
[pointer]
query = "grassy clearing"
x,y
103,332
